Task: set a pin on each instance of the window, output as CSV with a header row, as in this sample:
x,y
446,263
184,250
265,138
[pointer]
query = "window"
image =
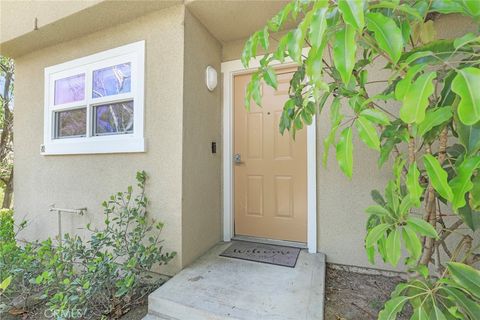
x,y
95,104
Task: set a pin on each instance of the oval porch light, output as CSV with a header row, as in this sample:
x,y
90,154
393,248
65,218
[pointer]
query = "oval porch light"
x,y
211,78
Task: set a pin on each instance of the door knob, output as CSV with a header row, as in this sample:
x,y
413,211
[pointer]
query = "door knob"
x,y
237,158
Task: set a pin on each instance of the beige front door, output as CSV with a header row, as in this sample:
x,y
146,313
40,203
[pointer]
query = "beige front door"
x,y
270,169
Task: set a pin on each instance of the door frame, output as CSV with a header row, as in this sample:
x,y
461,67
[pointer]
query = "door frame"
x,y
229,70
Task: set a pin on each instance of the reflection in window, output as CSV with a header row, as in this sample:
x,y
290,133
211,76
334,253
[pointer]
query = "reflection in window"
x,y
71,123
114,118
70,89
112,80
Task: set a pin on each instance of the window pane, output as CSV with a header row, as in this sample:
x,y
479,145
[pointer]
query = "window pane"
x,y
70,89
71,123
114,118
112,80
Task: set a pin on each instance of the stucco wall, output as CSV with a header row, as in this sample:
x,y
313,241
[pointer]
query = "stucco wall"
x,y
201,224
340,202
86,180
18,17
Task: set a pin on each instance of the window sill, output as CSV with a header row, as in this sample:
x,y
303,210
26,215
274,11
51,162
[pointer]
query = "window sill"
x,y
94,145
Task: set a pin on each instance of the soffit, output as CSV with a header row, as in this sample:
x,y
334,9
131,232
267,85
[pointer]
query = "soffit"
x,y
230,20
71,20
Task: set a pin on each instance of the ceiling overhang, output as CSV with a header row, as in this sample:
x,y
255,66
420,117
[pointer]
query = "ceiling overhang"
x,y
40,24
81,18
230,20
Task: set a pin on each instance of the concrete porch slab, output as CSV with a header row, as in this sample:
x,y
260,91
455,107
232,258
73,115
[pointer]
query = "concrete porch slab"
x,y
215,288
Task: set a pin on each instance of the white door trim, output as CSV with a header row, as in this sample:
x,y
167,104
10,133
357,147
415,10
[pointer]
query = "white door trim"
x,y
229,70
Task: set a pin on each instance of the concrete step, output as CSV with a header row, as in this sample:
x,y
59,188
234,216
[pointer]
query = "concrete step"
x,y
161,308
219,288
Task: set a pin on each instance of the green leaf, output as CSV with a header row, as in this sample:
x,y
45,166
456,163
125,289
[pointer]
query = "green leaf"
x,y
416,101
318,27
413,185
466,39
434,118
391,196
403,86
352,11
277,21
377,210
469,136
446,6
344,52
263,38
467,305
422,227
466,85
443,49
475,193
412,242
377,197
295,45
335,120
469,216
5,283
270,77
466,276
394,244
418,56
403,8
370,254
462,183
345,152
438,177
367,133
387,33
471,7
375,234
420,314
314,65
249,50
437,314
376,116
279,54
392,308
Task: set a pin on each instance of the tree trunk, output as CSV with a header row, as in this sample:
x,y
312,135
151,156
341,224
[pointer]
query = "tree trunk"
x,y
8,192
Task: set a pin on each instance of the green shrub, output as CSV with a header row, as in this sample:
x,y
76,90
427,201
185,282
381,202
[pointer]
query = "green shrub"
x,y
101,275
7,232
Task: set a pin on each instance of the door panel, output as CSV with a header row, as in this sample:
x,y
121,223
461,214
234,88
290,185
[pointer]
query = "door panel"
x,y
271,179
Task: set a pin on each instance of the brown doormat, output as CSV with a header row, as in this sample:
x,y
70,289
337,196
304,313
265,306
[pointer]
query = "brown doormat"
x,y
265,253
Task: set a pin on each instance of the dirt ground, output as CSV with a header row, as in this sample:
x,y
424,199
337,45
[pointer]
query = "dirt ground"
x,y
136,313
349,296
355,296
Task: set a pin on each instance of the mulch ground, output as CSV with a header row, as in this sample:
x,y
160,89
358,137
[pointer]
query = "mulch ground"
x,y
356,296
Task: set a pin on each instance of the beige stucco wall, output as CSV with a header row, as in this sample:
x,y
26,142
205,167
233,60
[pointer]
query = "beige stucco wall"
x,y
201,224
86,180
181,120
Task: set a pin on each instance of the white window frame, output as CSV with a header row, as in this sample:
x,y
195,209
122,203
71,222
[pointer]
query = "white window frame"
x,y
134,54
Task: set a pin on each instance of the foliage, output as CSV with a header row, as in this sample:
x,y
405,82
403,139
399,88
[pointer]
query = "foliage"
x,y
97,277
424,122
7,68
